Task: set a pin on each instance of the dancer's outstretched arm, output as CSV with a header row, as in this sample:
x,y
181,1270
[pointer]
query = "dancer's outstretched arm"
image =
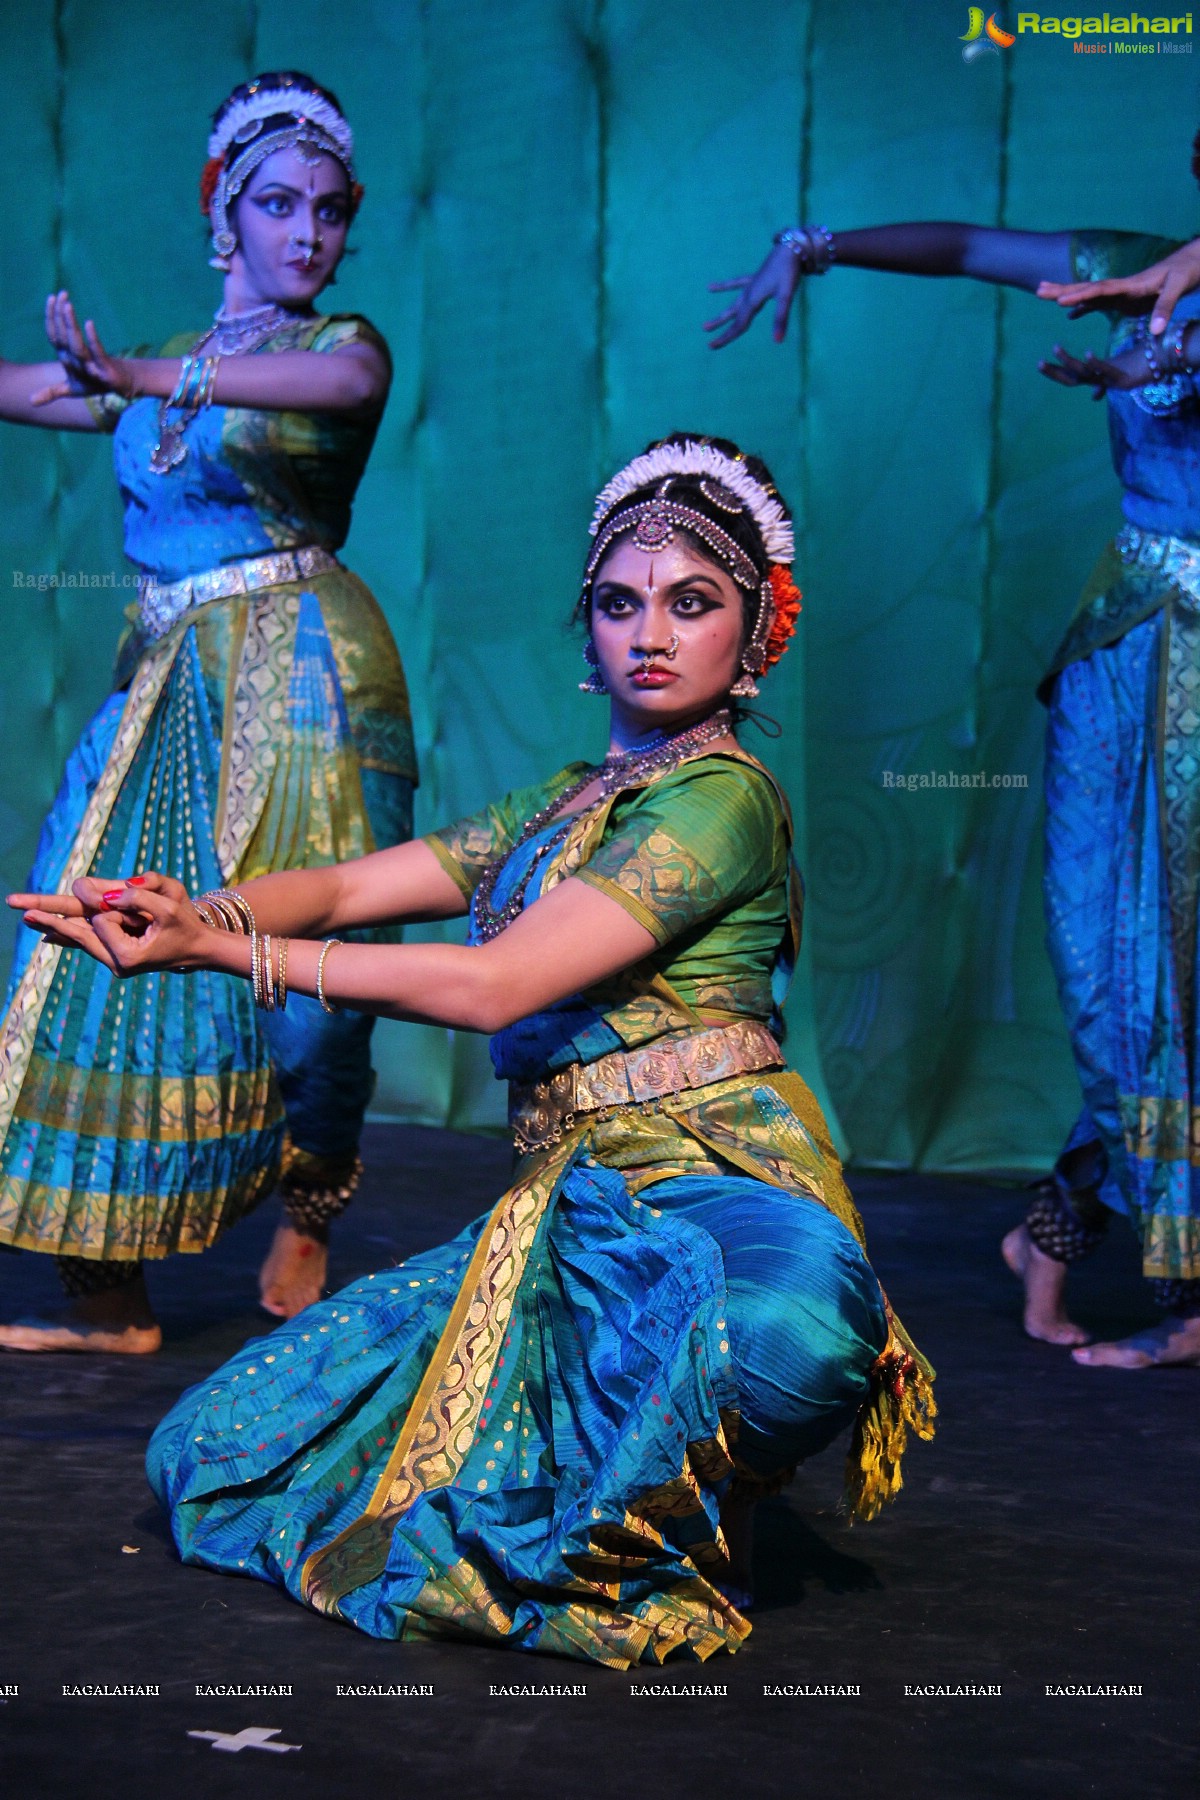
x,y
562,944
405,883
1021,259
353,378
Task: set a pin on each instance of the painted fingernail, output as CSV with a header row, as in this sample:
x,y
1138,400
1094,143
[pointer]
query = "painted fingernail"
x,y
112,894
136,881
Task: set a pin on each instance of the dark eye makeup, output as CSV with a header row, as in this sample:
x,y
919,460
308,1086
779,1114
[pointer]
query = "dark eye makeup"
x,y
279,203
689,603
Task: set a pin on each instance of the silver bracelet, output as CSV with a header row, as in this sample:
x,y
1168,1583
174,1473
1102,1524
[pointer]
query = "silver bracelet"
x,y
326,947
811,245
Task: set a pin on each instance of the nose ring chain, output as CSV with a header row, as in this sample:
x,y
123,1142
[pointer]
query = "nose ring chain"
x,y
668,651
306,247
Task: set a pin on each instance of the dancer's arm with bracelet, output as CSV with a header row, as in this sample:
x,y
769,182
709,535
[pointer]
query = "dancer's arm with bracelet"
x,y
353,378
927,247
1042,262
568,940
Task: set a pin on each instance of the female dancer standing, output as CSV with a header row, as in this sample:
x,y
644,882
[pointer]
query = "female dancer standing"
x,y
1122,878
259,720
525,1435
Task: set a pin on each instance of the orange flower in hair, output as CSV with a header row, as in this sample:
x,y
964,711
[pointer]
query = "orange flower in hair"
x,y
357,190
209,177
787,611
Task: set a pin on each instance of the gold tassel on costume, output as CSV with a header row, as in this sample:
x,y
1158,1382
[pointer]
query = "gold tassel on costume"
x,y
900,1399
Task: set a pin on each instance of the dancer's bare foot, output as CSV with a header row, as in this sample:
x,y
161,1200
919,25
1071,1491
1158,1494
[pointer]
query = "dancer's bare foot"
x,y
1045,1309
1173,1343
118,1322
737,1524
293,1275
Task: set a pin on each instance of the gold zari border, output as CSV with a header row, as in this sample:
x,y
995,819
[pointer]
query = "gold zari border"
x,y
444,1417
25,1010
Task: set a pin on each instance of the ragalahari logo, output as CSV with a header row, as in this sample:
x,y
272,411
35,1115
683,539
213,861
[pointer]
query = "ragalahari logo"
x,y
984,37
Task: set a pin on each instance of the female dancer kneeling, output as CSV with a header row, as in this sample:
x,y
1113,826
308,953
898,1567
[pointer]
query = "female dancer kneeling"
x,y
549,1432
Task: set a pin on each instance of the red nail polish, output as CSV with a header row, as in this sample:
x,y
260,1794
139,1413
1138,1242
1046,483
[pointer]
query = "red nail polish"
x,y
136,881
112,894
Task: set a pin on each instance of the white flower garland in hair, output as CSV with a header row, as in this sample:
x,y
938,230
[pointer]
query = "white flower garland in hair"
x,y
267,103
693,458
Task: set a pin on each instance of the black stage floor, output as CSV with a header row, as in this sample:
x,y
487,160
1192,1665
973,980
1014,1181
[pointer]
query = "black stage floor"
x,y
1047,1537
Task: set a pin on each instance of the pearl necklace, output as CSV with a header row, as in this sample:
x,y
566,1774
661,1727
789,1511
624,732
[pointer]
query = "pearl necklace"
x,y
619,769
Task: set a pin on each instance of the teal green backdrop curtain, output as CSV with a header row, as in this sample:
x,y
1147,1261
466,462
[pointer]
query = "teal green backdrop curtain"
x,y
550,184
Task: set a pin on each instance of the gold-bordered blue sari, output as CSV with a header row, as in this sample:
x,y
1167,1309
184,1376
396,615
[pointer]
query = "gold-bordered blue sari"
x,y
268,730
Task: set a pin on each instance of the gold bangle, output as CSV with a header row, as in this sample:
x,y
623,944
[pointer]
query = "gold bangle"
x,y
260,971
281,974
241,906
326,947
232,909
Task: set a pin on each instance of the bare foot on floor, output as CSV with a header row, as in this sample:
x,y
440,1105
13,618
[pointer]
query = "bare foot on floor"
x,y
1173,1343
118,1322
1045,1309
293,1275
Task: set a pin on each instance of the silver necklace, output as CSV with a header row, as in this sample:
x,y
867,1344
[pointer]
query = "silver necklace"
x,y
233,334
619,769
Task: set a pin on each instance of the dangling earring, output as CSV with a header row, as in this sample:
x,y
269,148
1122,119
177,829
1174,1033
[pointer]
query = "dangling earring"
x,y
220,262
595,681
745,687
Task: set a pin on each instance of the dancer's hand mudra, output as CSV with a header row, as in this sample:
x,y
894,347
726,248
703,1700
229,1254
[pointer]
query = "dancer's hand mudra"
x,y
133,927
1156,290
1100,373
87,367
776,280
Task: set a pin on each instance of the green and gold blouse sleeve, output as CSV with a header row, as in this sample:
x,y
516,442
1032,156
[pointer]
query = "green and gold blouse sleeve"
x,y
689,847
1107,255
340,329
465,848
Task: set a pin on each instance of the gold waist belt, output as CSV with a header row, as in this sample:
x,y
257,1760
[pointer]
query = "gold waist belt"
x,y
160,603
539,1112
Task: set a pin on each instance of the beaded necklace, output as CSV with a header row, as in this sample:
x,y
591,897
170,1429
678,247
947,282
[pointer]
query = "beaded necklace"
x,y
616,771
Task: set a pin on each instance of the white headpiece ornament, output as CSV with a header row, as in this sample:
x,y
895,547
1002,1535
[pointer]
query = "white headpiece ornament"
x,y
693,458
270,103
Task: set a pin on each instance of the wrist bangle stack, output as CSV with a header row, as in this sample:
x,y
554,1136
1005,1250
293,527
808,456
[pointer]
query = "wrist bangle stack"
x,y
1173,348
268,971
1172,379
225,910
811,245
193,390
326,1005
1150,351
